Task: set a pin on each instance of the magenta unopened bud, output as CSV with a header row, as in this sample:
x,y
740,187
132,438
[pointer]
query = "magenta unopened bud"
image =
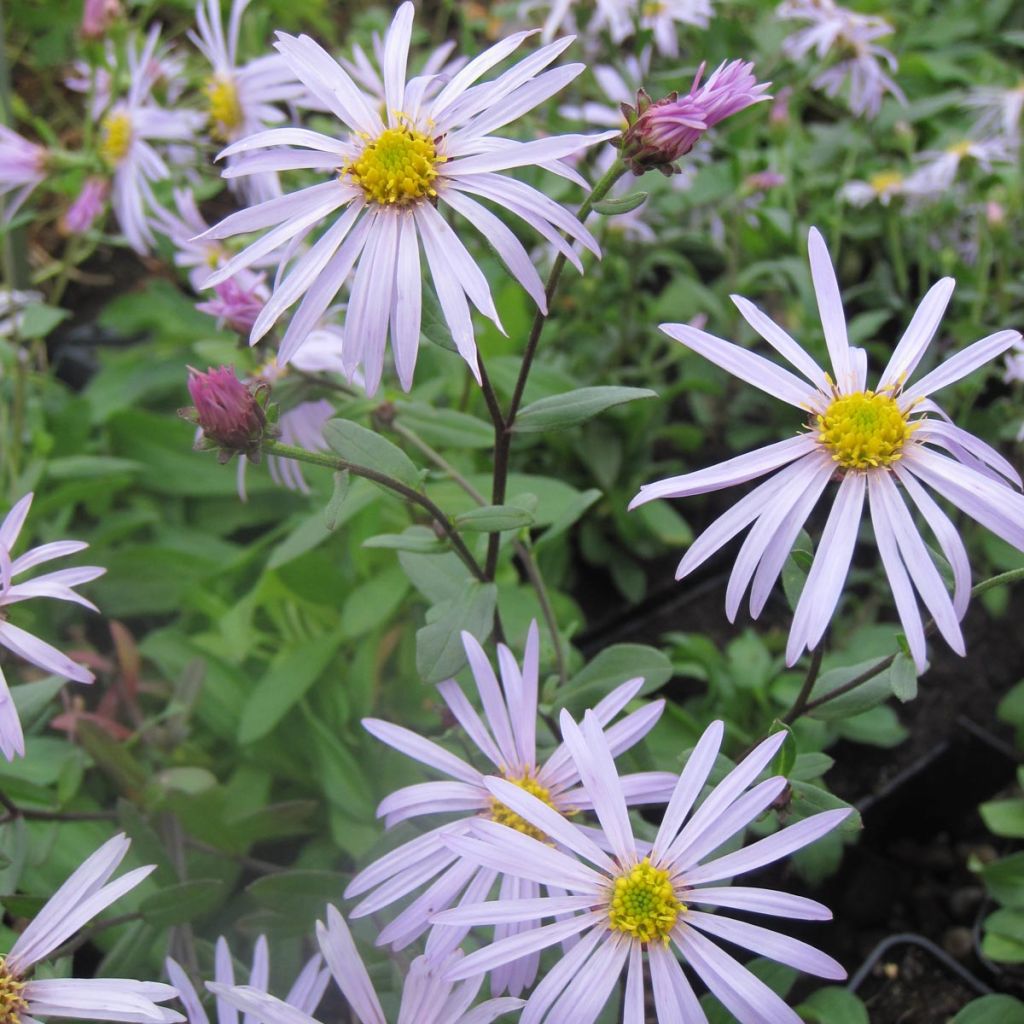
x,y
228,412
97,16
82,213
662,132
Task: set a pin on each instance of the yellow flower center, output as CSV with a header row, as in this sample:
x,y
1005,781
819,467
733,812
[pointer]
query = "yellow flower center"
x,y
644,904
864,430
506,816
884,181
225,110
653,9
12,1001
115,137
397,167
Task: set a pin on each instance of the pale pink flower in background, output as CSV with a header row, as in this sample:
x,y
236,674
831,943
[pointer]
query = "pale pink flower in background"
x,y
127,135
242,99
873,441
88,205
22,168
85,894
642,897
390,179
427,998
999,110
97,16
304,995
58,585
939,168
508,740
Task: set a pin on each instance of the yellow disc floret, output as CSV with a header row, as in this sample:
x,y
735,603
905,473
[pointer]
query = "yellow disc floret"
x,y
225,110
12,999
864,430
506,816
115,137
885,181
397,167
644,903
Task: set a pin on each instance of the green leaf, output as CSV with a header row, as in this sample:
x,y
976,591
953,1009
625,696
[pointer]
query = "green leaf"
x,y
808,799
796,567
332,513
903,678
494,518
419,539
38,320
833,1005
186,901
297,893
77,467
785,759
613,666
869,694
1004,817
448,428
286,680
559,412
363,447
625,204
372,603
1004,880
994,1009
439,651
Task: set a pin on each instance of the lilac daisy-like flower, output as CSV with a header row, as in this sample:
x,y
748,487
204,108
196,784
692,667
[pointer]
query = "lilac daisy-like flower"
x,y
939,168
999,110
882,188
242,100
59,585
661,18
882,445
427,998
391,177
304,995
22,168
127,134
508,741
84,895
87,207
642,898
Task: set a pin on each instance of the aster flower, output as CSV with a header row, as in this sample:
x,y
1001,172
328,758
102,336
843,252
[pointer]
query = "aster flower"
x,y
127,134
388,178
242,99
508,741
939,168
1014,367
662,132
881,188
661,18
426,997
642,898
86,208
238,301
882,444
999,110
304,995
22,168
84,895
58,585
97,16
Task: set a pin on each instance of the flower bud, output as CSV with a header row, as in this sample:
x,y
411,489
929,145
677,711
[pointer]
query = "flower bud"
x,y
231,415
82,213
237,302
97,16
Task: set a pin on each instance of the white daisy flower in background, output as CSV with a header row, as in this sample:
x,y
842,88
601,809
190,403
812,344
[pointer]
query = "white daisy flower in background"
x,y
22,168
999,110
128,132
882,188
58,585
939,168
304,995
13,304
641,898
427,998
242,100
85,894
662,18
508,741
1014,367
873,441
388,178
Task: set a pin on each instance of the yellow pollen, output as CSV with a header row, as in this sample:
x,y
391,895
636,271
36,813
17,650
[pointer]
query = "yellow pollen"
x,y
225,110
885,180
961,149
653,9
115,137
644,904
12,1000
397,167
864,430
506,816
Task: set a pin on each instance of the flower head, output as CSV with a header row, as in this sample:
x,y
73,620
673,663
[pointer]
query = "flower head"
x,y
662,132
506,738
999,110
238,301
641,898
59,585
939,168
97,16
230,414
882,188
881,444
427,998
22,168
389,178
85,894
82,213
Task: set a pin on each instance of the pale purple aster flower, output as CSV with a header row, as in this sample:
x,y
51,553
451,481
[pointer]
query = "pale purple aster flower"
x,y
881,188
661,18
84,895
837,31
58,585
642,898
508,741
22,168
1014,367
999,110
97,16
873,442
88,205
242,100
939,168
388,179
127,134
304,995
238,301
427,998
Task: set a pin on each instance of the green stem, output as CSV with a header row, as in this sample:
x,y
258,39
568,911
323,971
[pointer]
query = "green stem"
x,y
503,435
805,691
899,263
289,451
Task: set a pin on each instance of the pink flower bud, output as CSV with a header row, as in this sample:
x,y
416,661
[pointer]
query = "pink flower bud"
x,y
82,213
227,411
662,132
97,16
